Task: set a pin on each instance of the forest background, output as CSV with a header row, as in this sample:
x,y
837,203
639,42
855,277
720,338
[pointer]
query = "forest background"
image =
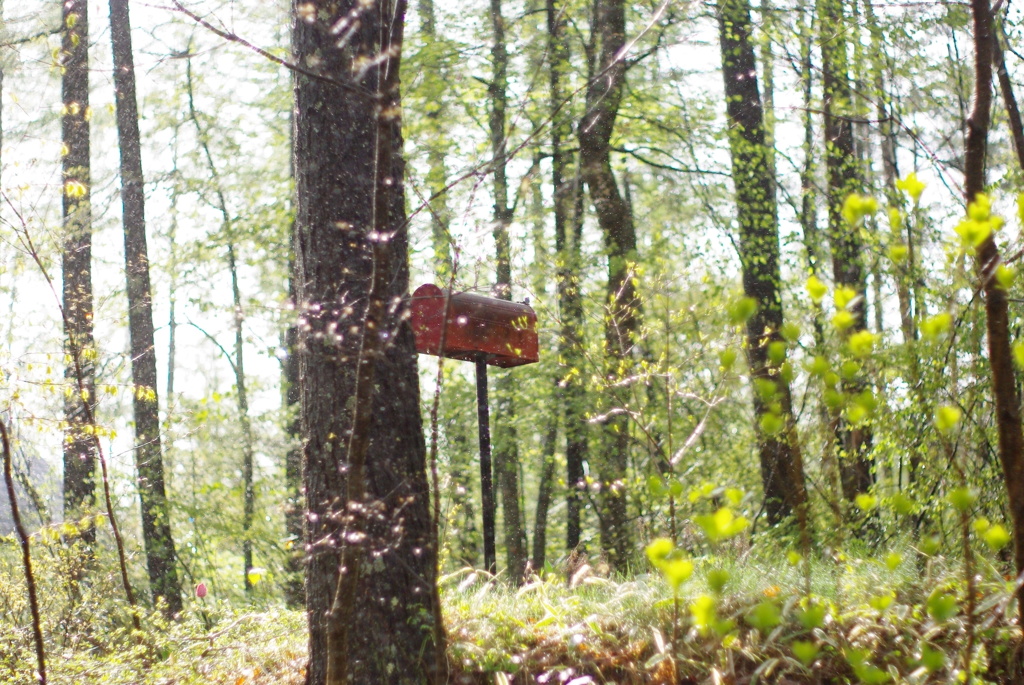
x,y
800,365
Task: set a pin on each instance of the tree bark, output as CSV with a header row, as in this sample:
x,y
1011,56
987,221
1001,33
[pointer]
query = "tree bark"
x,y
364,463
1007,404
76,263
506,442
847,246
294,591
156,524
757,213
622,317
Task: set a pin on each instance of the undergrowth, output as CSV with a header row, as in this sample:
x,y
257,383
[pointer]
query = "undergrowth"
x,y
868,619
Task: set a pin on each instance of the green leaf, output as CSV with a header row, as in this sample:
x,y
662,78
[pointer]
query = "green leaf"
x,y
767,389
1018,354
842,320
856,207
813,616
866,502
882,602
862,343
973,233
255,575
947,417
844,296
727,358
764,616
865,671
805,651
942,606
721,525
656,487
772,424
676,572
902,504
962,499
742,309
996,537
794,557
893,560
717,578
734,495
777,352
817,367
833,399
1005,276
703,611
816,289
790,331
898,253
658,551
895,220
935,326
932,659
849,369
910,185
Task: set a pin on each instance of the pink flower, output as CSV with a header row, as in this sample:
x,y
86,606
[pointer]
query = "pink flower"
x,y
201,590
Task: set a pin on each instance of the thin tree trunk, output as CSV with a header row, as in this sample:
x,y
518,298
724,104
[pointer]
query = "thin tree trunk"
x,y
551,404
781,462
373,610
1009,99
248,446
567,261
437,144
76,262
847,248
1007,404
156,524
506,452
623,315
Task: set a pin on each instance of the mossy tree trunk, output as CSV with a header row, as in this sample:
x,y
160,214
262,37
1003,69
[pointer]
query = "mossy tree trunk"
x,y
76,263
757,215
623,307
506,441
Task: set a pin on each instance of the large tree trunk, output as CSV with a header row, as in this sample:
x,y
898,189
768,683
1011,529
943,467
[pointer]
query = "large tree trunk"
x,y
622,318
846,244
757,213
364,464
567,198
156,524
1008,411
79,372
506,442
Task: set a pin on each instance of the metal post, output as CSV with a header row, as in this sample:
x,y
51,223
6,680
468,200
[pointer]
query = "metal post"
x,y
486,486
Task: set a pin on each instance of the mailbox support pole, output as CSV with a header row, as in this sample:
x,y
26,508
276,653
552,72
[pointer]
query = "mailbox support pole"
x,y
486,484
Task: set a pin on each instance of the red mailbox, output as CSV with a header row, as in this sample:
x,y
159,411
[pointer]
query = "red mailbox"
x,y
502,333
484,330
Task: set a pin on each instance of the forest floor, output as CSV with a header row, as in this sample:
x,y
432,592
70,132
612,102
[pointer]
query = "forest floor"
x,y
871,620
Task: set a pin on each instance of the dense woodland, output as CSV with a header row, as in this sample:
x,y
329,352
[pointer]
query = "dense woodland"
x,y
775,431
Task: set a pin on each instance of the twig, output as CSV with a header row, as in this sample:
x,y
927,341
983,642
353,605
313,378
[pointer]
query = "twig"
x,y
26,556
235,38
